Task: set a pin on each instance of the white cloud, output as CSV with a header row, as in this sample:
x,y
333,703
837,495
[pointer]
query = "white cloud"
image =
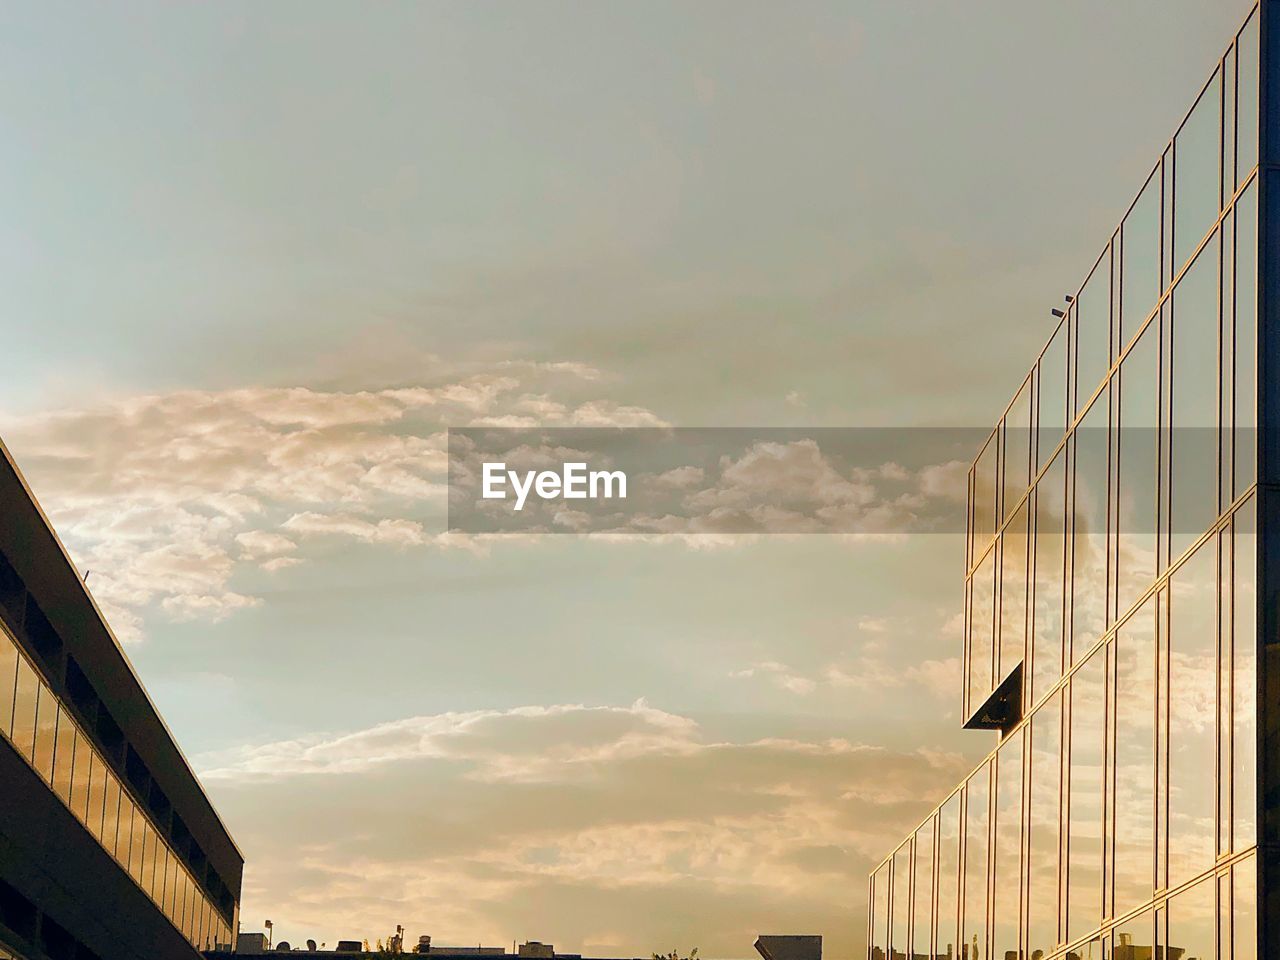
x,y
590,822
169,498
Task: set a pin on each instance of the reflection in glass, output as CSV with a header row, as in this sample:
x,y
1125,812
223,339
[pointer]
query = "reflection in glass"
x,y
880,914
974,916
1049,569
1244,670
1140,273
1017,448
984,496
110,812
1051,419
97,794
46,733
1042,857
1089,532
24,708
1246,339
1194,442
1244,879
1013,594
923,891
1197,156
1133,939
8,677
64,756
901,902
147,867
1192,922
981,627
124,840
1084,838
80,779
1007,860
1092,310
948,875
136,847
1139,452
1135,764
1247,111
1192,713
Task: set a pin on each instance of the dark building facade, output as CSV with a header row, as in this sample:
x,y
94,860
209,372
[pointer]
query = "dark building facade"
x,y
109,847
1122,578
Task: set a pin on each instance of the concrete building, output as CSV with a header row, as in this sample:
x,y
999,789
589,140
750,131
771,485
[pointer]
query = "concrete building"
x,y
1122,560
109,848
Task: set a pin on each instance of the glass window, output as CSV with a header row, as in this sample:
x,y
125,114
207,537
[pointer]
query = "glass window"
x,y
1017,448
147,868
880,913
124,840
981,628
182,905
1013,594
1092,311
1007,860
1197,153
1247,110
974,940
1049,571
1139,453
80,779
202,917
1193,922
1135,764
170,881
1246,339
1089,532
948,876
1134,938
984,496
1194,440
8,678
97,794
1140,271
110,811
1044,797
137,848
1052,417
1244,912
1084,839
901,902
922,925
1244,669
46,732
24,708
64,756
1192,713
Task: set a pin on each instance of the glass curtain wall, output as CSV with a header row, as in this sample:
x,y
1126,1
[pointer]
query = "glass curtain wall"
x,y
51,740
1111,554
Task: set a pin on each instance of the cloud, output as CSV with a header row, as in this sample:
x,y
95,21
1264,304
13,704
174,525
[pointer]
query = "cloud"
x,y
173,501
578,824
883,664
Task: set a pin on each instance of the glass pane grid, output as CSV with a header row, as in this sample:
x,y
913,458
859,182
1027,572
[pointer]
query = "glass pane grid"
x,y
41,730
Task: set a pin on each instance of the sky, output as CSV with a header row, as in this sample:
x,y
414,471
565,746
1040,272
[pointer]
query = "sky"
x,y
256,258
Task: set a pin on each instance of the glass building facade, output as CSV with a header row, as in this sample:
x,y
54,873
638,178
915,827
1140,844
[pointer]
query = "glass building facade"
x,y
1120,591
36,723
